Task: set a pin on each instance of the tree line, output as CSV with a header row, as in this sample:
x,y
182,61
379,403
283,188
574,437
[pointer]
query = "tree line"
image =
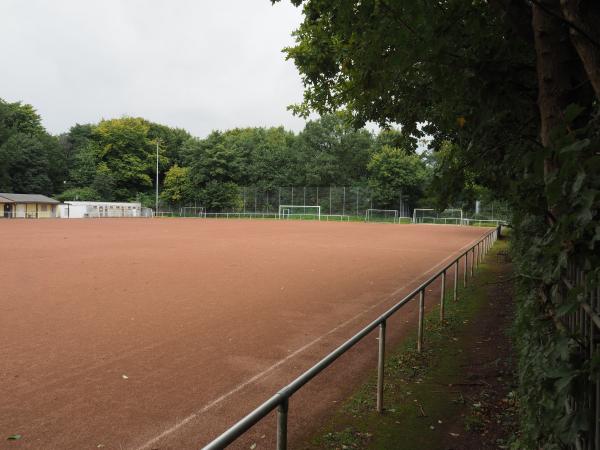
x,y
115,160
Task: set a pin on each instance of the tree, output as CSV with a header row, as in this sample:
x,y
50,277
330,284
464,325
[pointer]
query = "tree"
x,y
331,152
395,138
30,159
79,194
456,67
18,118
104,183
395,174
128,153
220,196
177,188
171,141
24,165
211,159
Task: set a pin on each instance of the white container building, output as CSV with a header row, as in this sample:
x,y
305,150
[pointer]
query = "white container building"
x,y
84,210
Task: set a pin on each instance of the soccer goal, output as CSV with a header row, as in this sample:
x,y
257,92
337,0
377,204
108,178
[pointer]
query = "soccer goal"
x,y
381,215
447,216
301,212
192,211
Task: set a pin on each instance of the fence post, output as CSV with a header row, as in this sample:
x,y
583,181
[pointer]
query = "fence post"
x,y
472,260
466,269
282,413
456,281
380,367
421,320
442,296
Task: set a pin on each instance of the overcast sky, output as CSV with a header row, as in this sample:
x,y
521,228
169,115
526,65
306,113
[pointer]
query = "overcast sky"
x,y
196,64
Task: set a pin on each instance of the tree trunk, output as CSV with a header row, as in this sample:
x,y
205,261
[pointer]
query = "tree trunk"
x,y
585,14
555,58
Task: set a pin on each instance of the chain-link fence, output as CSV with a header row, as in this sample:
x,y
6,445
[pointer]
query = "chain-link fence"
x,y
494,210
349,201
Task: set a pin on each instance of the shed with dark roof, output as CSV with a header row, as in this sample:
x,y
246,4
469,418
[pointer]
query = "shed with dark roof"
x,y
32,206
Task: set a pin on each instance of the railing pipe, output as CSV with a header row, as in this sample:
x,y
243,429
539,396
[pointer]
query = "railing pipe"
x,y
281,399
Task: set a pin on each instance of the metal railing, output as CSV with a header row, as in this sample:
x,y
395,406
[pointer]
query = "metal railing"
x,y
584,325
280,400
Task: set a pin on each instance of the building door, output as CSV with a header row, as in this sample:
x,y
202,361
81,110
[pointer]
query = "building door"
x,y
7,210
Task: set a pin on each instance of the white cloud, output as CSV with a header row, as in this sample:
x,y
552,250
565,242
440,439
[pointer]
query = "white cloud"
x,y
195,64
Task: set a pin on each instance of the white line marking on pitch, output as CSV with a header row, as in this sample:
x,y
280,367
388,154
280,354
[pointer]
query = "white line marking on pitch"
x,y
259,375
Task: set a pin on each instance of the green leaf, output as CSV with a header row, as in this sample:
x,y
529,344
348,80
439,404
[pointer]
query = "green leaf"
x,y
14,437
572,112
576,146
578,182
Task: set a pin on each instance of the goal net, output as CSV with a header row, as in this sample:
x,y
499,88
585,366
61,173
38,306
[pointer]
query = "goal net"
x,y
299,212
192,211
447,216
381,215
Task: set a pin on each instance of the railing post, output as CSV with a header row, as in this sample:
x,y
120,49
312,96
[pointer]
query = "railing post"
x,y
380,367
472,260
282,413
456,281
466,269
442,296
421,320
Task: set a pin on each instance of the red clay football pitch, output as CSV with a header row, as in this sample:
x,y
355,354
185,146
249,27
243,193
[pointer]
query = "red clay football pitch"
x,y
160,333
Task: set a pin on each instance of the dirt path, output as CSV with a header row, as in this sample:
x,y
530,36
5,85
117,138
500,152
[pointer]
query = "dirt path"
x,y
488,417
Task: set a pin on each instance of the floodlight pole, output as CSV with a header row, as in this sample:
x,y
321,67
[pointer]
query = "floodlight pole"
x,y
157,177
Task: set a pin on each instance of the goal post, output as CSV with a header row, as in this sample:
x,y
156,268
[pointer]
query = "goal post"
x,y
381,215
299,212
452,216
192,211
